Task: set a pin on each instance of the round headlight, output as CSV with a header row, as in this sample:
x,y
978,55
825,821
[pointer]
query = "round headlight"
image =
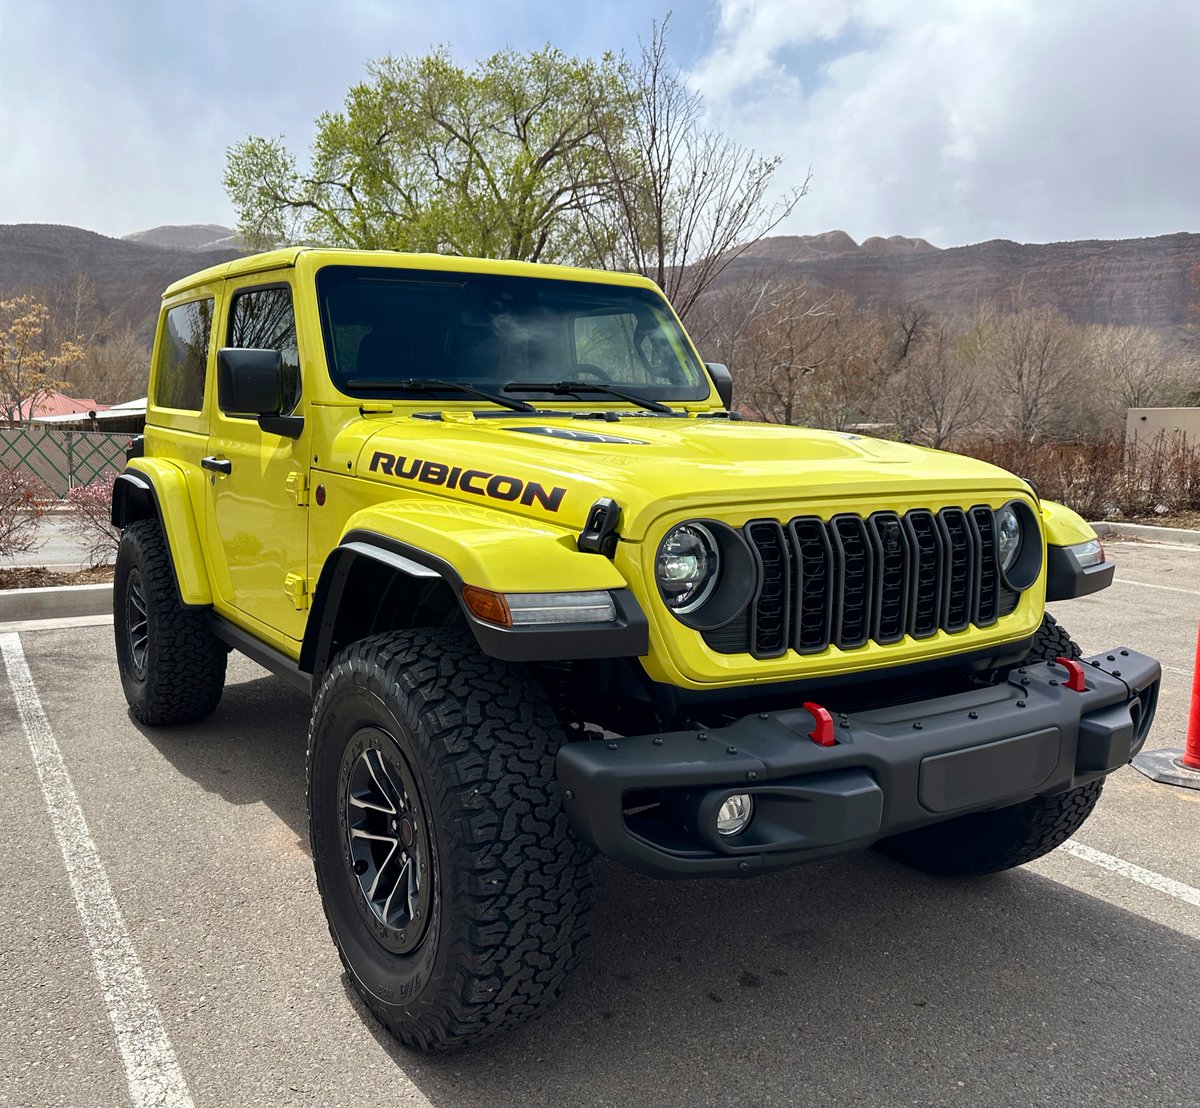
x,y
687,567
1008,536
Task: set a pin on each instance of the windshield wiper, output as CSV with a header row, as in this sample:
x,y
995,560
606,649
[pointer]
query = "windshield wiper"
x,y
433,384
574,388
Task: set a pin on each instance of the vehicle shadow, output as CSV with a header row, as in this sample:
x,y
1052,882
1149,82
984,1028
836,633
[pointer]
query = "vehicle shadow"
x,y
849,982
251,750
852,981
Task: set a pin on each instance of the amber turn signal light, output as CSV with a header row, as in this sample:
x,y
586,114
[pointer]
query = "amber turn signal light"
x,y
487,605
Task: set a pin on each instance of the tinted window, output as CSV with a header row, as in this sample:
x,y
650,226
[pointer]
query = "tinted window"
x,y
388,325
263,319
618,346
183,356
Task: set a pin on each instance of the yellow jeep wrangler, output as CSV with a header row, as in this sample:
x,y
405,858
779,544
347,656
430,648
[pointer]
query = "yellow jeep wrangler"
x,y
552,596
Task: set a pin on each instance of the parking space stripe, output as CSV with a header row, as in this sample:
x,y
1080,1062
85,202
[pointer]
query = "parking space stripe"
x,y
1148,877
1147,585
151,1069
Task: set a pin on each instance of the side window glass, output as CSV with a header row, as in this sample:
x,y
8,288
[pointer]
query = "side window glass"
x,y
263,319
183,356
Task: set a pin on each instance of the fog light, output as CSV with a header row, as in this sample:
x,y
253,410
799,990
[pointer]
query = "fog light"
x,y
735,814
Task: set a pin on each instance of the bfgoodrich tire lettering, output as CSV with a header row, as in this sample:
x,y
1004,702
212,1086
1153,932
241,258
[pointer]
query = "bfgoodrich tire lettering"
x,y
987,842
172,667
510,885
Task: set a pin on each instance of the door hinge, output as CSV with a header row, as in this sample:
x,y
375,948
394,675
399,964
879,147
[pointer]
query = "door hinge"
x,y
296,588
297,487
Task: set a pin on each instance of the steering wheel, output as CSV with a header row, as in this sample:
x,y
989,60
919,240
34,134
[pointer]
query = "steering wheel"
x,y
585,371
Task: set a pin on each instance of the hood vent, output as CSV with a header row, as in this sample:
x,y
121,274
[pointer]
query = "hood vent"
x,y
577,436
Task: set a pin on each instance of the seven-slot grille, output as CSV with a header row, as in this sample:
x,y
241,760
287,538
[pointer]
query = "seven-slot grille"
x,y
852,580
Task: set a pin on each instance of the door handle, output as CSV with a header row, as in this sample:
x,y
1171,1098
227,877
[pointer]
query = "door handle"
x,y
220,465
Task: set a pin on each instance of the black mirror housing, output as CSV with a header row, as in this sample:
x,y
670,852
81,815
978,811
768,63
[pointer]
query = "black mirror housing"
x,y
723,379
249,382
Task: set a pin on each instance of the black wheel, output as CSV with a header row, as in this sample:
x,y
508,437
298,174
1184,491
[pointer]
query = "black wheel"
x,y
987,842
455,891
172,667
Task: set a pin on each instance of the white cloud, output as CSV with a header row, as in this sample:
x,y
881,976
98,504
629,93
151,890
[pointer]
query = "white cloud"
x,y
962,120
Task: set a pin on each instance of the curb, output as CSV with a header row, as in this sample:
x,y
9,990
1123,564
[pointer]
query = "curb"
x,y
1179,536
55,602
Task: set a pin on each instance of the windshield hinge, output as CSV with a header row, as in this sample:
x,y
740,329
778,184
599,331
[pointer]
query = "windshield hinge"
x,y
295,587
599,534
297,487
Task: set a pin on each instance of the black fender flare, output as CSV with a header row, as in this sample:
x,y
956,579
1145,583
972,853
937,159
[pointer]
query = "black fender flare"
x,y
627,636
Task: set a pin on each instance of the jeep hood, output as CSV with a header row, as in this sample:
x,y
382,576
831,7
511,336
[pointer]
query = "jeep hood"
x,y
556,468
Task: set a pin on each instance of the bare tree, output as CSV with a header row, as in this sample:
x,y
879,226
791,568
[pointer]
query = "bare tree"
x,y
1132,367
687,201
938,392
31,363
784,344
1033,358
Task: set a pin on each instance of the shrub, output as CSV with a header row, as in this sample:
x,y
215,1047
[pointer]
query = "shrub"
x,y
89,520
21,506
1102,478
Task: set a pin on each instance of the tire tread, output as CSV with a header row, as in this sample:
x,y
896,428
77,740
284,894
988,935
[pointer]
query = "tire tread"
x,y
523,880
186,669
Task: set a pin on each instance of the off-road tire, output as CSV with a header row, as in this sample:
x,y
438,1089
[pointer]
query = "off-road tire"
x,y
512,885
987,842
181,673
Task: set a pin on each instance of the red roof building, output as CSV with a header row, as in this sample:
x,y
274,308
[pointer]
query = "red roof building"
x,y
53,403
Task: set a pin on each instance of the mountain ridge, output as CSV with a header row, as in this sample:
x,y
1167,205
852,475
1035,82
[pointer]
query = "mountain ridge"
x,y
1143,282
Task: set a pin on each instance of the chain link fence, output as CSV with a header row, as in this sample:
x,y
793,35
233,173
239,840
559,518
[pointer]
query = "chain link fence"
x,y
62,460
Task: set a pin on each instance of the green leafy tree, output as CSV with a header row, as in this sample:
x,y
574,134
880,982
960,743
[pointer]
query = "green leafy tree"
x,y
534,157
496,161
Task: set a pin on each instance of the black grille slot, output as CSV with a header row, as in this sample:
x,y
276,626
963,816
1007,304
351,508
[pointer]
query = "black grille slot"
x,y
814,592
960,569
771,606
927,547
983,527
853,576
852,580
891,552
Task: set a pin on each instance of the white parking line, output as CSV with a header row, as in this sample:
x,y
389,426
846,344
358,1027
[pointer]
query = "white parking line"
x,y
58,623
151,1068
1147,585
1148,877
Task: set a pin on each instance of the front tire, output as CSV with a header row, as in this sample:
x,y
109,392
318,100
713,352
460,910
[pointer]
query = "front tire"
x,y
454,889
988,842
172,666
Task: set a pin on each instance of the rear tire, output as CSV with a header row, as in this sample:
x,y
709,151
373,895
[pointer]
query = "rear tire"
x,y
172,667
988,842
455,891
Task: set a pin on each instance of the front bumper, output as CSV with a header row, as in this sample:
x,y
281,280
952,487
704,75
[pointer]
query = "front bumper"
x,y
650,801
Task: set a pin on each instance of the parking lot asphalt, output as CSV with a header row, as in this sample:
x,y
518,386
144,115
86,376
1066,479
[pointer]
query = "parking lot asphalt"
x,y
852,981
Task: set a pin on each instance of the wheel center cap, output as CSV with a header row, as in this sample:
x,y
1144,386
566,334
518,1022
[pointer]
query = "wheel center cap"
x,y
407,832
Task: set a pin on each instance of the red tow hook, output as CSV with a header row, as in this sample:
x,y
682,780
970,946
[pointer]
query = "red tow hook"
x,y
822,734
1077,681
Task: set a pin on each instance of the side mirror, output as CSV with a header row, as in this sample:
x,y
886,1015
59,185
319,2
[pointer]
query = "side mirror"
x,y
723,379
249,382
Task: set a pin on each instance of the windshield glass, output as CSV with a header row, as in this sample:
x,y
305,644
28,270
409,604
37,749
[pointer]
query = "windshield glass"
x,y
486,331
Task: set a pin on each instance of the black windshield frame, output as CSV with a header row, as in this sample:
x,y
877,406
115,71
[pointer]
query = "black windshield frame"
x,y
513,314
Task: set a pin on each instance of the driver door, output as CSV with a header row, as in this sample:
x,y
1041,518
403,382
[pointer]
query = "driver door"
x,y
257,520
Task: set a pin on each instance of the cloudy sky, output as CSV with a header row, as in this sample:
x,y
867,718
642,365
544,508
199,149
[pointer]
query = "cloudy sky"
x,y
956,120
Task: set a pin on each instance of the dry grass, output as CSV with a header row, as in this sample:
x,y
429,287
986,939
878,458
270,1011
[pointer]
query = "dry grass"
x,y
1105,478
38,577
